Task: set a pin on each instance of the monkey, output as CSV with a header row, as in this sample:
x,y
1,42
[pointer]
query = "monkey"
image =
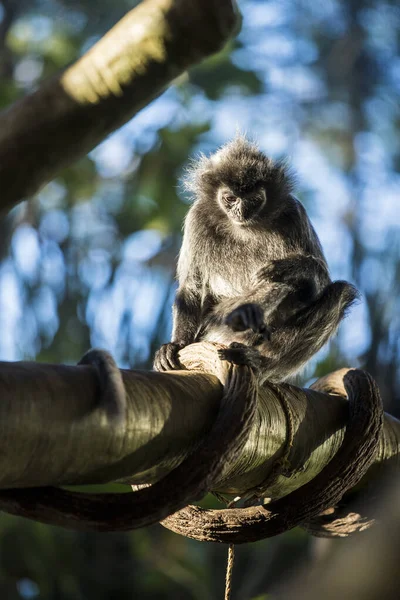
x,y
251,271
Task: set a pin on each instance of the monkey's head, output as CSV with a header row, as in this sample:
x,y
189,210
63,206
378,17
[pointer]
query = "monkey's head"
x,y
245,184
241,206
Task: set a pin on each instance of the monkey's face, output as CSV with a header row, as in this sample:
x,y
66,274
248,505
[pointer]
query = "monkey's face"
x,y
241,207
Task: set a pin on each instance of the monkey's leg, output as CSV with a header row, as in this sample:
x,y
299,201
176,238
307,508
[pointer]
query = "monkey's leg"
x,y
306,331
288,283
299,338
251,310
240,354
298,271
248,316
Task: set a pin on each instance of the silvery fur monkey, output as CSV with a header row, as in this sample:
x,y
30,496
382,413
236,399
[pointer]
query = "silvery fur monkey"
x,y
251,271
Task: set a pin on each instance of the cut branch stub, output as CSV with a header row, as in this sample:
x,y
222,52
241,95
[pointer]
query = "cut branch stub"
x,y
187,483
357,451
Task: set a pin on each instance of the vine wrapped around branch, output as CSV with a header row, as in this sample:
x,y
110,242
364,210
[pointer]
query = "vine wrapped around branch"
x,y
169,427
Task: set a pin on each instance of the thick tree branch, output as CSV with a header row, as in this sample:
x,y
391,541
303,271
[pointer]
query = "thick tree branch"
x,y
132,64
189,481
55,430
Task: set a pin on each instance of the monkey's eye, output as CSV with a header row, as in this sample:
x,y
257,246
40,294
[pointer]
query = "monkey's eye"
x,y
229,199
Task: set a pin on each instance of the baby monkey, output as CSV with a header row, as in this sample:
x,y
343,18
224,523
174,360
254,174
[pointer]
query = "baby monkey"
x,y
251,271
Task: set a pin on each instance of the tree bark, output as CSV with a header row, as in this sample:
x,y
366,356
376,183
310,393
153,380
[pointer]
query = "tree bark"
x,y
55,429
132,64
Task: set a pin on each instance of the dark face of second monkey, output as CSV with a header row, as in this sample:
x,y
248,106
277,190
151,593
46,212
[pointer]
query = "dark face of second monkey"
x,y
242,207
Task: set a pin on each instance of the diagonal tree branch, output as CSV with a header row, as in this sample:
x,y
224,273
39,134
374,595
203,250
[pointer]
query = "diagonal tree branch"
x,y
132,64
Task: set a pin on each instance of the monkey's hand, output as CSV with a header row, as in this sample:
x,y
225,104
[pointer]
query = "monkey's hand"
x,y
239,354
248,316
166,358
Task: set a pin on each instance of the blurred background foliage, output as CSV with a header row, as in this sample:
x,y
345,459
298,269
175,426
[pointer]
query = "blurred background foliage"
x,y
90,260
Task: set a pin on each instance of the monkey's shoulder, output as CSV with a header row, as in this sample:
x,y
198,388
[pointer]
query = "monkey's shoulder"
x,y
295,227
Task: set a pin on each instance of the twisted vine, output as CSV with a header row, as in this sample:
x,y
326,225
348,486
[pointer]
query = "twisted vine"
x,y
350,463
353,513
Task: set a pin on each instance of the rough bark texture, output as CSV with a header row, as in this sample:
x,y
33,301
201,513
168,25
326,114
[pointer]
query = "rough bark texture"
x,y
132,64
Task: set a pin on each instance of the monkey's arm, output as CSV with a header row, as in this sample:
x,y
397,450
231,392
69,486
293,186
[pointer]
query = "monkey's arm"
x,y
249,311
280,287
297,270
187,312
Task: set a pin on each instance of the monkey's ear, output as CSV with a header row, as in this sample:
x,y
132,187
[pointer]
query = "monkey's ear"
x,y
207,176
197,174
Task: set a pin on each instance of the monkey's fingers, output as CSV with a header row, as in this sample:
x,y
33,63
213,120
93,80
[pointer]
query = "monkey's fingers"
x,y
248,316
239,354
235,320
166,358
265,332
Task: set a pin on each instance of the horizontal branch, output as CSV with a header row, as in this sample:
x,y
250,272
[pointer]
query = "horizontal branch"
x,y
132,64
55,429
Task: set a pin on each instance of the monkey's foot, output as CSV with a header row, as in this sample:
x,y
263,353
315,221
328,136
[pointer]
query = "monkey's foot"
x,y
166,358
248,316
239,354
